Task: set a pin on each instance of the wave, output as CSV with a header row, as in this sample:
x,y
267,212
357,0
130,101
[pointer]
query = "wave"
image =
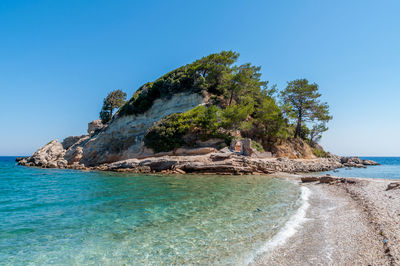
x,y
290,227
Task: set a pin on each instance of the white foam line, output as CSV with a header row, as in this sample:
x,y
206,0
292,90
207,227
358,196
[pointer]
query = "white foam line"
x,y
289,229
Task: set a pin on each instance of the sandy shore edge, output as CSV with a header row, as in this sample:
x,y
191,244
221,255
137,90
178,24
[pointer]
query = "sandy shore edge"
x,y
345,224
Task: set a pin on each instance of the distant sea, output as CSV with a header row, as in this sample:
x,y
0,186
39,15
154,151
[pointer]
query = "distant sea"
x,y
53,216
389,169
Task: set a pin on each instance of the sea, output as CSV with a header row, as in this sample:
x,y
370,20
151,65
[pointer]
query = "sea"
x,y
64,217
389,169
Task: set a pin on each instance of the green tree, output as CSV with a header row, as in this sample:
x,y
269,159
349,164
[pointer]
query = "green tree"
x,y
244,83
301,103
269,122
237,116
316,133
114,99
215,70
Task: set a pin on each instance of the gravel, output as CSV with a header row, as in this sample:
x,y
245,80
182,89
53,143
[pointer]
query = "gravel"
x,y
347,224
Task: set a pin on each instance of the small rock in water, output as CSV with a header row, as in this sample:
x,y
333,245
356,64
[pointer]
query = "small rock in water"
x,y
393,186
308,179
326,179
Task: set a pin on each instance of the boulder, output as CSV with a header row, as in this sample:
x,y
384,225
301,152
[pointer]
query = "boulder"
x,y
179,171
74,155
344,159
308,179
353,164
369,162
393,186
18,159
94,127
356,162
327,179
69,141
47,156
158,165
334,157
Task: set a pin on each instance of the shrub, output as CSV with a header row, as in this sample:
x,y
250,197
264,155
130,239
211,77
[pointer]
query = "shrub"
x,y
201,123
257,146
206,74
320,153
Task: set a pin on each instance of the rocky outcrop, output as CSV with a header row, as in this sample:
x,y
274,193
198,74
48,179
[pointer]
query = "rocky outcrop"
x,y
49,156
118,146
123,137
94,127
54,154
70,141
327,179
221,163
395,185
119,140
241,158
293,149
369,162
356,162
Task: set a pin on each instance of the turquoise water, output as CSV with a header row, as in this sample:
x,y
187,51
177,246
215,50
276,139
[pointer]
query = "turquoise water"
x,y
50,216
389,169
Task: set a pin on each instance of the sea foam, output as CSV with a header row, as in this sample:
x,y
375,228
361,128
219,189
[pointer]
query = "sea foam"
x,y
289,229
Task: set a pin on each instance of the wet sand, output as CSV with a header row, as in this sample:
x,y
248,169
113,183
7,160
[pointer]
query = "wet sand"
x,y
346,224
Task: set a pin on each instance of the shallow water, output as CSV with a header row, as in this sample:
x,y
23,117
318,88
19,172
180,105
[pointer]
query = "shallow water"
x,y
389,169
50,216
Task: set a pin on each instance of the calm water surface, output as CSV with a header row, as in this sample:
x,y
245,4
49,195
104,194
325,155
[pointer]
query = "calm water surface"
x,y
50,216
389,169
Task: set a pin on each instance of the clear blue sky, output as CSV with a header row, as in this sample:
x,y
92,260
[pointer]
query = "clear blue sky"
x,y
58,60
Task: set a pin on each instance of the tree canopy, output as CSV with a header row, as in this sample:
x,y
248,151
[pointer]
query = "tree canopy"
x,y
114,99
240,103
301,103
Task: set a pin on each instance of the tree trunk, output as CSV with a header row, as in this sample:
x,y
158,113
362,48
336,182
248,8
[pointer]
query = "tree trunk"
x,y
298,128
230,100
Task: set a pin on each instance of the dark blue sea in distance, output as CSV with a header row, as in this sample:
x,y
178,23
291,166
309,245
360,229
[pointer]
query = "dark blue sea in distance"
x,y
67,217
389,169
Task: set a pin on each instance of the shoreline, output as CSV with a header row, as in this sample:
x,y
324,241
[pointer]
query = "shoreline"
x,y
344,224
336,223
214,162
289,229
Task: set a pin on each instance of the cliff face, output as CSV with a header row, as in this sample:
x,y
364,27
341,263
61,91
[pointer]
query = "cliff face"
x,y
293,149
123,138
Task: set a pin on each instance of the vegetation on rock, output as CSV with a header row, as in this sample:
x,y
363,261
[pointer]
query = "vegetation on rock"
x,y
114,99
208,74
185,129
239,104
320,153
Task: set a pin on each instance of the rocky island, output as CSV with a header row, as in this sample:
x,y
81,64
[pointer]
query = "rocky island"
x,y
206,117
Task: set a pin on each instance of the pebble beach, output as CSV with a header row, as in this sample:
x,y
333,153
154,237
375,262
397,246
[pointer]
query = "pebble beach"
x,y
345,224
